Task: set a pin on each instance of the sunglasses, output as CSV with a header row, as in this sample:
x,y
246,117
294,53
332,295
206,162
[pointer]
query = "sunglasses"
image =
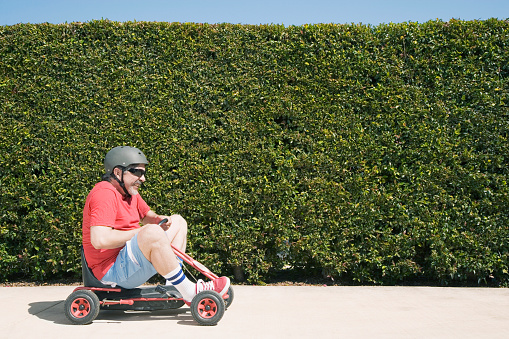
x,y
139,172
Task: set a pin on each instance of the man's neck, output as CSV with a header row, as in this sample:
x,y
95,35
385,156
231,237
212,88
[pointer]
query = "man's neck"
x,y
119,188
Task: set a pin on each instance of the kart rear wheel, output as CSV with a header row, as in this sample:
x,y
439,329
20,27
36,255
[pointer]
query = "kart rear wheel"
x,y
82,307
207,308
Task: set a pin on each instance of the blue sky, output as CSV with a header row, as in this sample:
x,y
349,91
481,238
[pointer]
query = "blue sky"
x,y
286,12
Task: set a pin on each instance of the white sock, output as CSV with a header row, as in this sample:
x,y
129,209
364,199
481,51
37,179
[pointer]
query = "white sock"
x,y
185,286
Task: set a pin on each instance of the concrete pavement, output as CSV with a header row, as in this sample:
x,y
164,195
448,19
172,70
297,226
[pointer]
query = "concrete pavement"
x,y
278,312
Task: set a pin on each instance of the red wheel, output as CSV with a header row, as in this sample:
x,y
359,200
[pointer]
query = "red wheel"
x,y
207,308
82,307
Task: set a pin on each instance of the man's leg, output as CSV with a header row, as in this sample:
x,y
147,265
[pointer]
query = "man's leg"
x,y
177,233
156,247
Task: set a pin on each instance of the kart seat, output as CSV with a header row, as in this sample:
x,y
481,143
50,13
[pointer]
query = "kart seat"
x,y
89,280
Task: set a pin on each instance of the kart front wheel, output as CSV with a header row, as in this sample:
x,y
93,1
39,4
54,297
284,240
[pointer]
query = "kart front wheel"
x,y
207,308
228,301
82,307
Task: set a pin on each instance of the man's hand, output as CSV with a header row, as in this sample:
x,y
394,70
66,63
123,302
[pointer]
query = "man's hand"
x,y
165,226
153,218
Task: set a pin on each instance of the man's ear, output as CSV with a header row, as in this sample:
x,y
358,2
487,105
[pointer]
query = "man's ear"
x,y
117,172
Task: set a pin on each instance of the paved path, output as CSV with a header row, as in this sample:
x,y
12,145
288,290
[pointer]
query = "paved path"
x,y
277,312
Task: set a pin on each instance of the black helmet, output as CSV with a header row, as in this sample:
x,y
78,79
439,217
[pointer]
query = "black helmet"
x,y
123,156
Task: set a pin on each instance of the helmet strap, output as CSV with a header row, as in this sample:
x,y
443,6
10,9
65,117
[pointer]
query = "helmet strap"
x,y
122,184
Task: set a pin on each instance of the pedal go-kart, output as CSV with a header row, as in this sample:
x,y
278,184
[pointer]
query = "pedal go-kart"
x,y
83,305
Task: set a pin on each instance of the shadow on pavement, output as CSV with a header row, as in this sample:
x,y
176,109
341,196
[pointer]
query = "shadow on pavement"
x,y
54,311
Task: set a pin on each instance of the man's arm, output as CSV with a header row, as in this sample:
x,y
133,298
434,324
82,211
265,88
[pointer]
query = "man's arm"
x,y
103,237
153,218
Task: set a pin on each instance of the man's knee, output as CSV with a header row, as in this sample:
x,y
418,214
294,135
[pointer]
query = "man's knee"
x,y
151,234
180,222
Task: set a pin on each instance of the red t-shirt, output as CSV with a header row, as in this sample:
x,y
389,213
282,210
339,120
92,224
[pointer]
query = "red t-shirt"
x,y
105,206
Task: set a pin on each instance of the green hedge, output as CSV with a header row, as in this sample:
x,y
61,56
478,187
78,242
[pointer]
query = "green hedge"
x,y
366,154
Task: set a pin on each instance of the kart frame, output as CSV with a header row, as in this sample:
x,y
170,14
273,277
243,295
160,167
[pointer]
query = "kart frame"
x,y
82,306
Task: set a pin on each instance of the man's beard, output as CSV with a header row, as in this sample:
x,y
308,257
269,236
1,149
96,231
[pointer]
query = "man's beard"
x,y
133,190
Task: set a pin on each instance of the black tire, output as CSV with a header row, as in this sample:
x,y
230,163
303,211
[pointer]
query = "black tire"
x,y
228,301
207,308
82,307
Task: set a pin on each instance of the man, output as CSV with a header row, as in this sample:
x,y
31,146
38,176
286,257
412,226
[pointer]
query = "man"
x,y
121,252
